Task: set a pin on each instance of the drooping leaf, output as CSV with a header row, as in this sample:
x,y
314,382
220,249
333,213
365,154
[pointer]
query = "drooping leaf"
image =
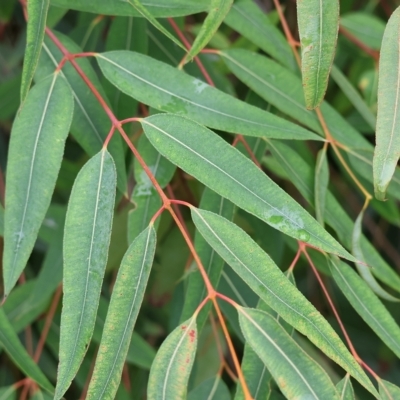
x,y
345,389
124,307
321,184
258,270
16,351
364,270
367,304
354,96
171,368
212,389
137,75
37,13
157,8
318,22
36,149
142,10
218,11
388,390
86,240
296,374
249,20
387,148
226,171
90,124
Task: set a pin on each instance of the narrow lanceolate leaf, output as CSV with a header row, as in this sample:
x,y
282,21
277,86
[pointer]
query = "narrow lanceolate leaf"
x,y
257,376
318,22
218,11
387,148
137,75
388,390
225,170
144,12
124,307
37,13
295,372
264,277
86,241
367,304
345,389
212,389
321,184
34,159
16,351
171,368
363,269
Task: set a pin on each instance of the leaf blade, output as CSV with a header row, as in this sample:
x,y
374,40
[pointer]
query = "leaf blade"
x,y
171,368
226,171
296,374
318,22
37,13
387,147
121,316
86,241
35,154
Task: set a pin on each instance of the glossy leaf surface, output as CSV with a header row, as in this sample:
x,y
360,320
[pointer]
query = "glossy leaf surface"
x,y
226,171
86,241
318,22
136,75
258,270
296,374
36,151
124,307
387,148
171,368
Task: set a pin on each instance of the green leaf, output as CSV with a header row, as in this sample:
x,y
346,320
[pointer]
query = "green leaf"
x,y
247,18
226,171
90,124
1,220
137,75
354,96
171,368
124,307
388,391
211,389
258,270
257,376
218,11
86,240
318,22
321,184
212,262
364,270
345,389
365,27
387,148
296,373
283,89
16,351
145,13
37,13
8,393
367,304
157,8
34,159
